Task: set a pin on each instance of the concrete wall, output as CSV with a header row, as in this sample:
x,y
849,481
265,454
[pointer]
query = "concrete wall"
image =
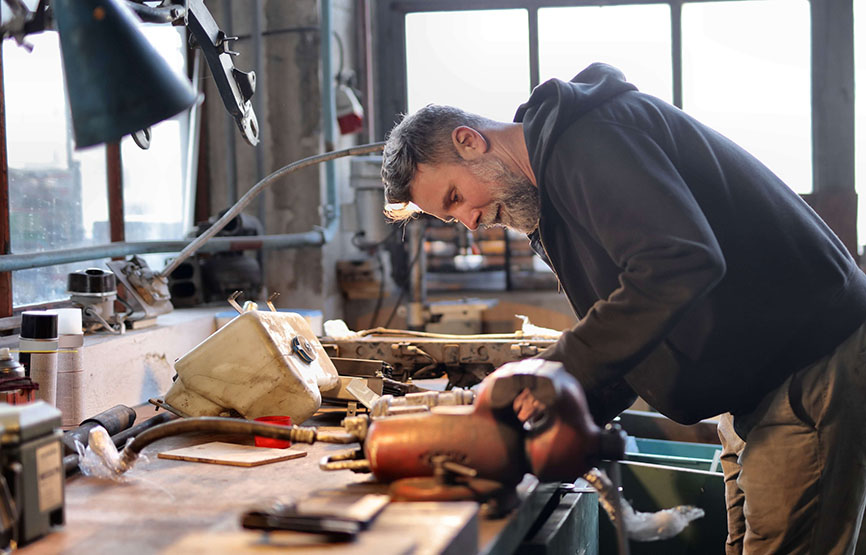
x,y
290,118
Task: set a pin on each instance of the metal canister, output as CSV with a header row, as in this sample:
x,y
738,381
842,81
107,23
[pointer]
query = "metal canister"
x,y
15,388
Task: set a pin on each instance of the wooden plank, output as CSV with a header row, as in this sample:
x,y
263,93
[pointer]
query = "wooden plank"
x,y
232,454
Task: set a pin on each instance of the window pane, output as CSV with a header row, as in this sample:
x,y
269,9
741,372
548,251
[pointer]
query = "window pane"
x,y
860,114
475,60
56,194
746,73
636,39
158,194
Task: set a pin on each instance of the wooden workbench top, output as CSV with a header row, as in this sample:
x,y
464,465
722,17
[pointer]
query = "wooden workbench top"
x,y
172,506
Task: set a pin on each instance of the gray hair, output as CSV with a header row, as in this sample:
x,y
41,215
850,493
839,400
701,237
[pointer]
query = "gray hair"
x,y
421,138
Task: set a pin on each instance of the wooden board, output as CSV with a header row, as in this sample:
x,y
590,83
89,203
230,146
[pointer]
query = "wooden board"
x,y
232,454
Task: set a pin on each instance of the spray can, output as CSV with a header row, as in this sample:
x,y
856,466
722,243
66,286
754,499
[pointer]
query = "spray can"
x,y
37,351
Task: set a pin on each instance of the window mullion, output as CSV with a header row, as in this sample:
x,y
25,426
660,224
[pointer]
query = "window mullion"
x,y
114,178
534,72
5,237
677,52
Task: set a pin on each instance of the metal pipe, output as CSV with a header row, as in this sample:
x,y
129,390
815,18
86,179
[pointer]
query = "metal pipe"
x,y
329,110
13,262
236,209
193,130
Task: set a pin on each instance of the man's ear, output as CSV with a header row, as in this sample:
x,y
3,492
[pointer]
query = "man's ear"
x,y
470,144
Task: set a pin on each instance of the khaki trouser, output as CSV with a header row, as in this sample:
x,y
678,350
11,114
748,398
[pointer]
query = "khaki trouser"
x,y
798,485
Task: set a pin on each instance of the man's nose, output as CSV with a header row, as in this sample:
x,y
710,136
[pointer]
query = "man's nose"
x,y
470,218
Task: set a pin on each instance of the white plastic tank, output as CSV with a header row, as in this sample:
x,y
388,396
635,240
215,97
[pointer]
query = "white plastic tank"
x,y
259,364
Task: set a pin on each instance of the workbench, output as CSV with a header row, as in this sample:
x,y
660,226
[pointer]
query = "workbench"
x,y
172,506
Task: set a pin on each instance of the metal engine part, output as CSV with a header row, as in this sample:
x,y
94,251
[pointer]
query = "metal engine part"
x,y
558,443
147,291
465,361
95,291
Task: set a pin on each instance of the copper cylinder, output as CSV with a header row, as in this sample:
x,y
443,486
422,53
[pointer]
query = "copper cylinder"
x,y
406,446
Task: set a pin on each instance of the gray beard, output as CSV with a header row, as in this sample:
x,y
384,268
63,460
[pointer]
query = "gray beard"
x,y
514,195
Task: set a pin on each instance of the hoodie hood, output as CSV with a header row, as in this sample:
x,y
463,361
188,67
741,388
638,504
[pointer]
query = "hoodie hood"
x,y
556,104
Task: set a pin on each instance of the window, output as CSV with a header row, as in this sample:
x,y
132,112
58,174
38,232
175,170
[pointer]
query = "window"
x,y
476,60
636,39
58,196
751,84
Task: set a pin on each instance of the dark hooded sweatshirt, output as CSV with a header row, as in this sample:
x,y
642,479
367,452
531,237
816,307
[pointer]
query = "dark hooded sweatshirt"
x,y
701,281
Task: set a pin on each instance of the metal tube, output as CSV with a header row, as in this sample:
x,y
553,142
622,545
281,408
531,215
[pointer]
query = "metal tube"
x,y
329,110
258,188
11,262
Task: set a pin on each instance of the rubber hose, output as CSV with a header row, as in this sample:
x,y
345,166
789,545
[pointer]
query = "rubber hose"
x,y
214,424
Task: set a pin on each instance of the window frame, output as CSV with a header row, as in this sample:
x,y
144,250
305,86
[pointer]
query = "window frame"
x,y
113,186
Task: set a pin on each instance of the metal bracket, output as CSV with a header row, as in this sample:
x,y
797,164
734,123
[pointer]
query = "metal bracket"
x,y
147,292
235,87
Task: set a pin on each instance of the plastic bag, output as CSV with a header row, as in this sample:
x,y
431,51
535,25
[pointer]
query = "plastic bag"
x,y
642,527
101,459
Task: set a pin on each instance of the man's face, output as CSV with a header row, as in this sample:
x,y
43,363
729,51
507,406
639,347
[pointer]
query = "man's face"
x,y
480,193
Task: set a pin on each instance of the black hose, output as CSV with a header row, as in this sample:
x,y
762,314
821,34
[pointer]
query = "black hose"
x,y
114,420
161,418
71,460
214,424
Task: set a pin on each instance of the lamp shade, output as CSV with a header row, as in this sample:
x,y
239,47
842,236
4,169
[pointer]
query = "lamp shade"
x,y
116,81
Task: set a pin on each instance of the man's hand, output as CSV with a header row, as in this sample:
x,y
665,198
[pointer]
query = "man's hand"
x,y
526,407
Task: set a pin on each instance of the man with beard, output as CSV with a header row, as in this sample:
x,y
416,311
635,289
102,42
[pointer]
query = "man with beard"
x,y
701,282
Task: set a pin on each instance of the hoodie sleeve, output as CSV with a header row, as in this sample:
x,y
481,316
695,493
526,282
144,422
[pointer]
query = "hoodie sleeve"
x,y
618,185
